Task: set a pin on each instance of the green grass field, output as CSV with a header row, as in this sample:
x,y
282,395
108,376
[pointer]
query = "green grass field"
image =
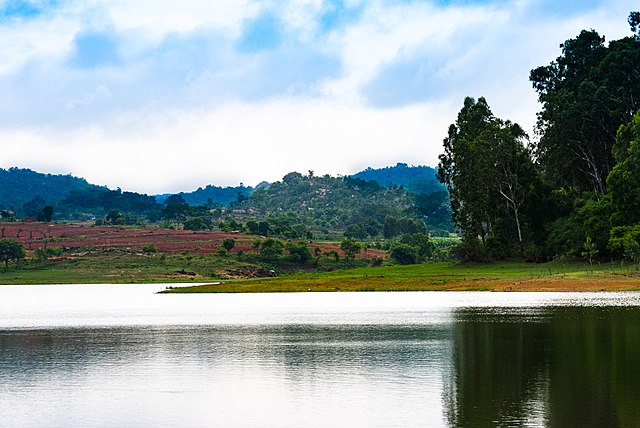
x,y
121,268
505,276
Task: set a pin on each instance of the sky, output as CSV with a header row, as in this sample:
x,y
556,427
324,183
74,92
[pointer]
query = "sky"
x,y
159,96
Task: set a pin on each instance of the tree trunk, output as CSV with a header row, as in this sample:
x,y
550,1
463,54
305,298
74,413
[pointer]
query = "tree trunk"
x,y
515,211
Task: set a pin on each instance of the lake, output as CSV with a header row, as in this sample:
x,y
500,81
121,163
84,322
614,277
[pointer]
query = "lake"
x,y
121,355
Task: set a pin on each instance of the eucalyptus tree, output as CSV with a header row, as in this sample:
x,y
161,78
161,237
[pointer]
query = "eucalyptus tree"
x,y
488,170
586,94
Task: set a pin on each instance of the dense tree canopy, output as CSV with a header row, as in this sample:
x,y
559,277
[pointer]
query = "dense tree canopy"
x,y
578,193
489,173
586,94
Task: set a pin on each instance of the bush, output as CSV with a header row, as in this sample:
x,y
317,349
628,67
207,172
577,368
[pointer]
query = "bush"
x,y
271,249
298,252
404,254
43,254
194,223
350,248
148,249
229,243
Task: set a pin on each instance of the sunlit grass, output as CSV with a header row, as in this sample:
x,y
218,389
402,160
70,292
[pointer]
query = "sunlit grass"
x,y
505,276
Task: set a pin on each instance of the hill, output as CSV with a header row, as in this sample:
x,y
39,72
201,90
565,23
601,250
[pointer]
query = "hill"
x,y
329,203
415,179
26,192
211,195
19,187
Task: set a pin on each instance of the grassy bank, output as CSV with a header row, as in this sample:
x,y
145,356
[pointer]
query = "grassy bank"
x,y
508,276
121,268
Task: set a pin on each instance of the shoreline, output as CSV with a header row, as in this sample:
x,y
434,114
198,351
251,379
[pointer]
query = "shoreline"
x,y
393,279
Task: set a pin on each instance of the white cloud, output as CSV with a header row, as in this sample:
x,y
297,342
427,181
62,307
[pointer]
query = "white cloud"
x,y
234,143
182,108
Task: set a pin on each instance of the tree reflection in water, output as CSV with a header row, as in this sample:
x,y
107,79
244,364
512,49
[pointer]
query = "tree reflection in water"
x,y
563,366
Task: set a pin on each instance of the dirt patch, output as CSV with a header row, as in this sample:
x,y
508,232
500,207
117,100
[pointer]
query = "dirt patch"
x,y
134,239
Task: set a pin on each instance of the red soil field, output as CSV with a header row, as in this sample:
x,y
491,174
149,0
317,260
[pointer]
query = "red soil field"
x,y
85,236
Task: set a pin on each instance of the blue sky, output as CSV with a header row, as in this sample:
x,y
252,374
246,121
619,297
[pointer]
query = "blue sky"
x,y
164,96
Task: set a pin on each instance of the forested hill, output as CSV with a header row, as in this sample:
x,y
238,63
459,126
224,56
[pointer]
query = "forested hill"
x,y
328,202
415,179
27,192
20,186
211,195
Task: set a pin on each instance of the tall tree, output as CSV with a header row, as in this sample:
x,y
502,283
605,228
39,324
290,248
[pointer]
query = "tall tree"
x,y
487,168
586,94
464,168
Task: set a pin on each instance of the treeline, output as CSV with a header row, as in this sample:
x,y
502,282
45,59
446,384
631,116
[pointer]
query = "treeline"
x,y
19,187
576,191
414,179
212,196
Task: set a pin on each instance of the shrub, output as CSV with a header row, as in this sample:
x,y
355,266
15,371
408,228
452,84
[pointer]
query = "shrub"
x,y
229,243
404,254
148,249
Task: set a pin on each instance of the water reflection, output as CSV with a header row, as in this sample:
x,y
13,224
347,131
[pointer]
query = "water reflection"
x,y
561,367
366,360
294,375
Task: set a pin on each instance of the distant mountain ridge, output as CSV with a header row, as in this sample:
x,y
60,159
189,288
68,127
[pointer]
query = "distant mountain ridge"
x,y
210,195
414,179
20,186
324,201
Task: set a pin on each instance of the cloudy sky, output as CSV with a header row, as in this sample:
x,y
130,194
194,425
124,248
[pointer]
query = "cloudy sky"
x,y
163,96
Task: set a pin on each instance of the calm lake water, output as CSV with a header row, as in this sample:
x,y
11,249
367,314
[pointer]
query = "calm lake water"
x,y
122,356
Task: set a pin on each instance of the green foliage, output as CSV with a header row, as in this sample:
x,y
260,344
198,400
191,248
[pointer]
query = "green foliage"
x,y
333,254
99,200
490,177
114,217
195,223
356,231
20,186
174,200
590,250
625,242
43,254
210,196
298,252
435,209
33,207
471,249
395,226
586,94
589,218
351,248
299,203
634,22
404,254
624,181
229,243
11,250
415,179
149,249
421,242
271,249
46,214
